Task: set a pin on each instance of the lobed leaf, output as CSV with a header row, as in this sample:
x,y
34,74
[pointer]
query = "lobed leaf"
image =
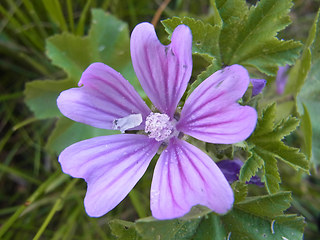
x,y
266,206
41,96
248,36
267,146
205,36
270,171
250,167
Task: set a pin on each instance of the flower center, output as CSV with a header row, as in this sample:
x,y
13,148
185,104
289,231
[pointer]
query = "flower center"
x,y
159,126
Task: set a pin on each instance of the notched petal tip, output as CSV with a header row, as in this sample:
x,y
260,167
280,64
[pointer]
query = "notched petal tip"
x,y
163,71
212,114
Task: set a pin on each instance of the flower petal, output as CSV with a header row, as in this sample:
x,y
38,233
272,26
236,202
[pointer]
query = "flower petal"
x,y
111,165
185,176
211,113
163,71
104,97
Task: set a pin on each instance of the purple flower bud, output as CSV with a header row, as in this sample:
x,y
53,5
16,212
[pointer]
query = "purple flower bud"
x,y
231,170
281,79
257,86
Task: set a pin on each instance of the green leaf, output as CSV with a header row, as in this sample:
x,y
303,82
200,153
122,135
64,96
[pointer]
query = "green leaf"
x,y
124,230
264,206
240,191
70,52
210,228
41,96
266,145
306,128
315,47
67,132
205,36
299,72
243,226
255,218
266,121
109,38
107,42
308,98
270,170
248,37
167,229
250,167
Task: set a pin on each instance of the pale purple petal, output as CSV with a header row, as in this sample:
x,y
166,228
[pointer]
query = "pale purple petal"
x,y
212,114
282,78
163,71
104,97
257,86
111,165
185,176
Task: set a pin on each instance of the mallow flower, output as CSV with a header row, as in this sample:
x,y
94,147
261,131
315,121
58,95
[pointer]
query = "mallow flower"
x,y
184,175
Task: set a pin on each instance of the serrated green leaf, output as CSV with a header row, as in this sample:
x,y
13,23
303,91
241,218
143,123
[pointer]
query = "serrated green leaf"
x,y
285,127
248,37
266,206
290,155
268,146
205,36
243,226
272,54
270,169
67,132
124,230
41,96
240,191
232,13
250,167
266,121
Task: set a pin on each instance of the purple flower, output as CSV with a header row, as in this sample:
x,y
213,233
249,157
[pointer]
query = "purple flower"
x,y
281,79
184,176
257,86
231,170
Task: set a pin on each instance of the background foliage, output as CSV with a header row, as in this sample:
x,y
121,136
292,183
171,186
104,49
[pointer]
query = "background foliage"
x,y
45,45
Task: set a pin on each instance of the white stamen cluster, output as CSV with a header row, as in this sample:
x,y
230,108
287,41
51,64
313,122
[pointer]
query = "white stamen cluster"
x,y
158,126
